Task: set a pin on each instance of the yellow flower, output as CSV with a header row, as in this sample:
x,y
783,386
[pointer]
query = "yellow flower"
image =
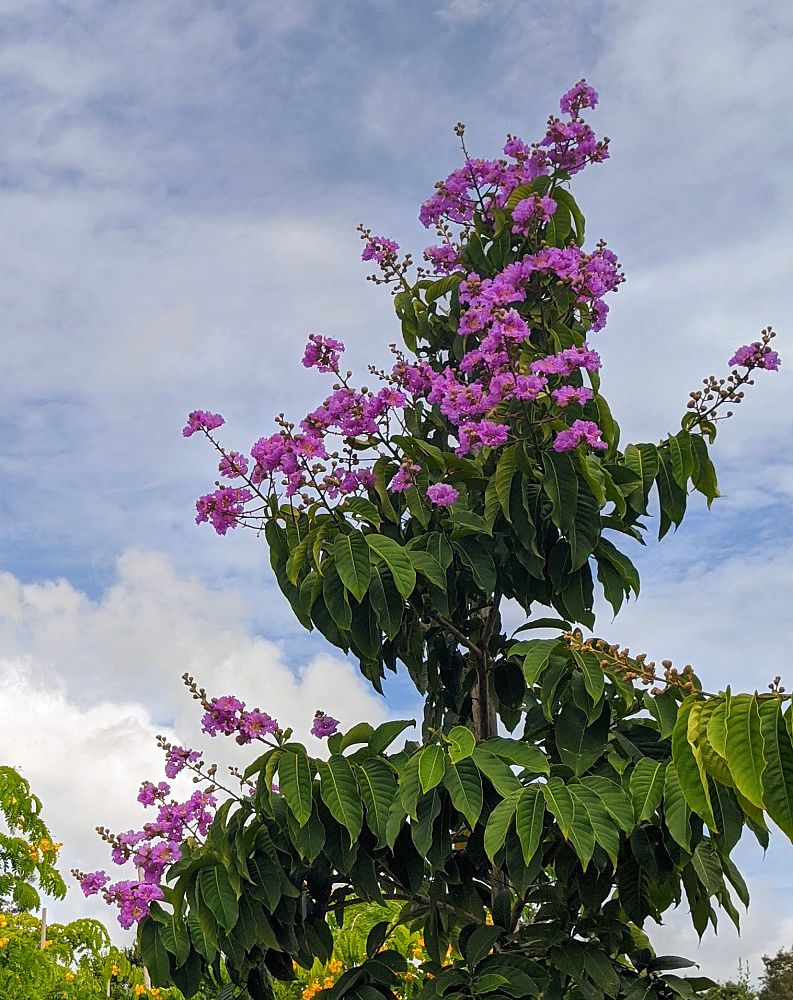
x,y
335,965
114,970
69,977
45,844
3,920
489,919
34,851
155,992
409,976
3,942
14,800
327,983
56,847
48,943
139,990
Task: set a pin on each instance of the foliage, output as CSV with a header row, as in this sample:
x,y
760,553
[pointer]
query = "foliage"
x,y
28,852
738,989
776,981
488,469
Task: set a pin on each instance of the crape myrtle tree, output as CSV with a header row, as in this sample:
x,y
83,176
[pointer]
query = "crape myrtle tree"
x,y
564,792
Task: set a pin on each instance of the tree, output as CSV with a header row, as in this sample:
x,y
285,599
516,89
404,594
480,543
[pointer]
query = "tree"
x,y
488,468
777,979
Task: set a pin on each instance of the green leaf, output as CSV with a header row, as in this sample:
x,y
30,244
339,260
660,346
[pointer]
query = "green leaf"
x,y
614,798
671,498
560,483
537,656
777,776
340,794
462,742
334,594
479,560
360,733
428,566
563,197
643,460
432,764
442,287
153,952
704,474
560,804
504,474
363,509
676,808
498,824
464,785
745,747
174,934
647,787
466,522
396,558
387,732
217,893
690,768
479,944
351,554
295,778
202,933
378,790
584,532
518,752
500,775
681,455
606,833
580,745
594,679
388,603
409,785
529,819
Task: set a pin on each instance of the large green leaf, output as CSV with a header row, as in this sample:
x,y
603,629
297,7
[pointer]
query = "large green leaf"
x,y
538,653
643,460
677,812
464,785
745,747
529,819
518,752
334,594
498,824
295,775
560,804
340,794
351,554
461,743
777,775
580,745
398,561
605,829
560,483
615,799
428,566
378,788
217,893
153,952
387,732
388,603
496,771
173,933
432,764
690,768
647,787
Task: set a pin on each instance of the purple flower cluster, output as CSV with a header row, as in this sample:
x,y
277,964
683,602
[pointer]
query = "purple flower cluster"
x,y
756,355
178,758
531,212
580,432
233,465
322,353
445,259
381,250
566,148
405,478
227,715
223,507
200,420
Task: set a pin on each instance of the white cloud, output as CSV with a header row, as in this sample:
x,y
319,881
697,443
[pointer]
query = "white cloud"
x,y
85,686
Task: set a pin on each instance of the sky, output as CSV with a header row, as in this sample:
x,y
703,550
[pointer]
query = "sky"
x,y
180,184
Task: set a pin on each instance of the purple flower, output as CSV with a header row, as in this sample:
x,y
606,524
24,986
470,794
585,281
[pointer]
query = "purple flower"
x,y
322,353
577,97
474,436
93,882
444,258
531,211
223,715
256,723
324,725
567,394
233,465
756,355
150,793
223,507
442,495
177,758
202,420
380,249
405,478
585,431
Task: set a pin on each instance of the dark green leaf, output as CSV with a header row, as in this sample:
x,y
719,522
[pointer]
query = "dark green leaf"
x,y
351,554
396,558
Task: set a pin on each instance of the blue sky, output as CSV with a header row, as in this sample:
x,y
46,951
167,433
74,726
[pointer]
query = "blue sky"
x,y
180,186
